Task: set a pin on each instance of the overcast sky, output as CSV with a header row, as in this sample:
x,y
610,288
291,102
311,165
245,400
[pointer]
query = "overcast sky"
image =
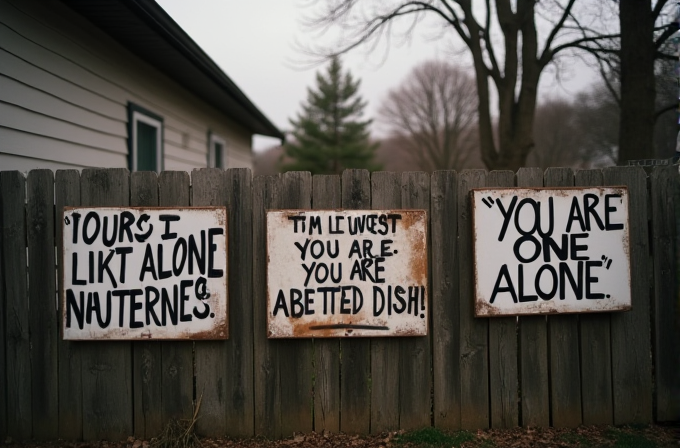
x,y
254,43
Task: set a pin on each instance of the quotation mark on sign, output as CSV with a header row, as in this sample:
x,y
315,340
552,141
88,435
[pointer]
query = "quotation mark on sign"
x,y
606,260
488,201
66,220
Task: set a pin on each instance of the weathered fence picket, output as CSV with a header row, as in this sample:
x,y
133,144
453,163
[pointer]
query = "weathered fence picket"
x,y
19,413
665,193
468,373
177,357
503,378
631,347
70,414
596,388
147,356
533,345
326,194
565,378
445,310
295,356
42,297
385,352
355,366
474,343
415,371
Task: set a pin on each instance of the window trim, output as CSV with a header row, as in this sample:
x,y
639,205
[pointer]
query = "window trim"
x,y
212,139
137,113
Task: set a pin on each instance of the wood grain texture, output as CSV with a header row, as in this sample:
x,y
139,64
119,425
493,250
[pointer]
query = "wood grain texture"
x,y
67,193
16,313
563,340
415,377
295,355
533,345
239,348
266,190
209,189
146,355
445,306
177,357
630,330
355,391
596,371
503,369
106,365
385,357
474,346
42,300
665,210
326,194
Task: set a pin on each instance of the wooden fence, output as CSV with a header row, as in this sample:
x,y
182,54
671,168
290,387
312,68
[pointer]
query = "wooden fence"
x,y
469,373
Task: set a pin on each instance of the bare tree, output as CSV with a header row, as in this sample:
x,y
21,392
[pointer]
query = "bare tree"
x,y
631,59
514,69
433,113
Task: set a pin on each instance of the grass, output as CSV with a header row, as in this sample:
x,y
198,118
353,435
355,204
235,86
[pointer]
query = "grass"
x,y
625,439
179,433
434,438
574,439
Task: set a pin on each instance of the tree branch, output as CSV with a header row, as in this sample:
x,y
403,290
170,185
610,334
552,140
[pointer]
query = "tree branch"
x,y
556,29
657,8
669,30
664,109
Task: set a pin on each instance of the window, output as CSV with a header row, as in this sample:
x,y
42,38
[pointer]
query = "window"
x,y
217,151
145,140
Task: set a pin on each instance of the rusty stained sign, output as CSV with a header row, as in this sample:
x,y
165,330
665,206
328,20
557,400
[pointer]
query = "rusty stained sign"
x,y
144,273
346,273
550,250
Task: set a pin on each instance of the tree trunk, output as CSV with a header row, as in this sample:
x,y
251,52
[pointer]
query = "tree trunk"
x,y
636,131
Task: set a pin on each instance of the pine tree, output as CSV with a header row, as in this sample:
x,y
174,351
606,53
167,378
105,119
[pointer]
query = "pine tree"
x,y
328,135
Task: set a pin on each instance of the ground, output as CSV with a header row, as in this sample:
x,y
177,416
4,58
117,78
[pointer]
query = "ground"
x,y
651,436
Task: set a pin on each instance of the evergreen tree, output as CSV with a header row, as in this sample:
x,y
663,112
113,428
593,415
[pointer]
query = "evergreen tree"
x,y
328,135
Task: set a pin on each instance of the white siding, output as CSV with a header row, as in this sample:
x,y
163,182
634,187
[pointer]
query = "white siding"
x,y
64,90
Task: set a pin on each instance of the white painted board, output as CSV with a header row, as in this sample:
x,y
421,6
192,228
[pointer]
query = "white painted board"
x,y
346,273
551,250
144,273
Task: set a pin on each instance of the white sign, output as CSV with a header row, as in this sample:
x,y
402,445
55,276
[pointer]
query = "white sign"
x,y
337,273
144,273
551,250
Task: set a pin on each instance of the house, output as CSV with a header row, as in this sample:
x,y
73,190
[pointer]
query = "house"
x,y
115,83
